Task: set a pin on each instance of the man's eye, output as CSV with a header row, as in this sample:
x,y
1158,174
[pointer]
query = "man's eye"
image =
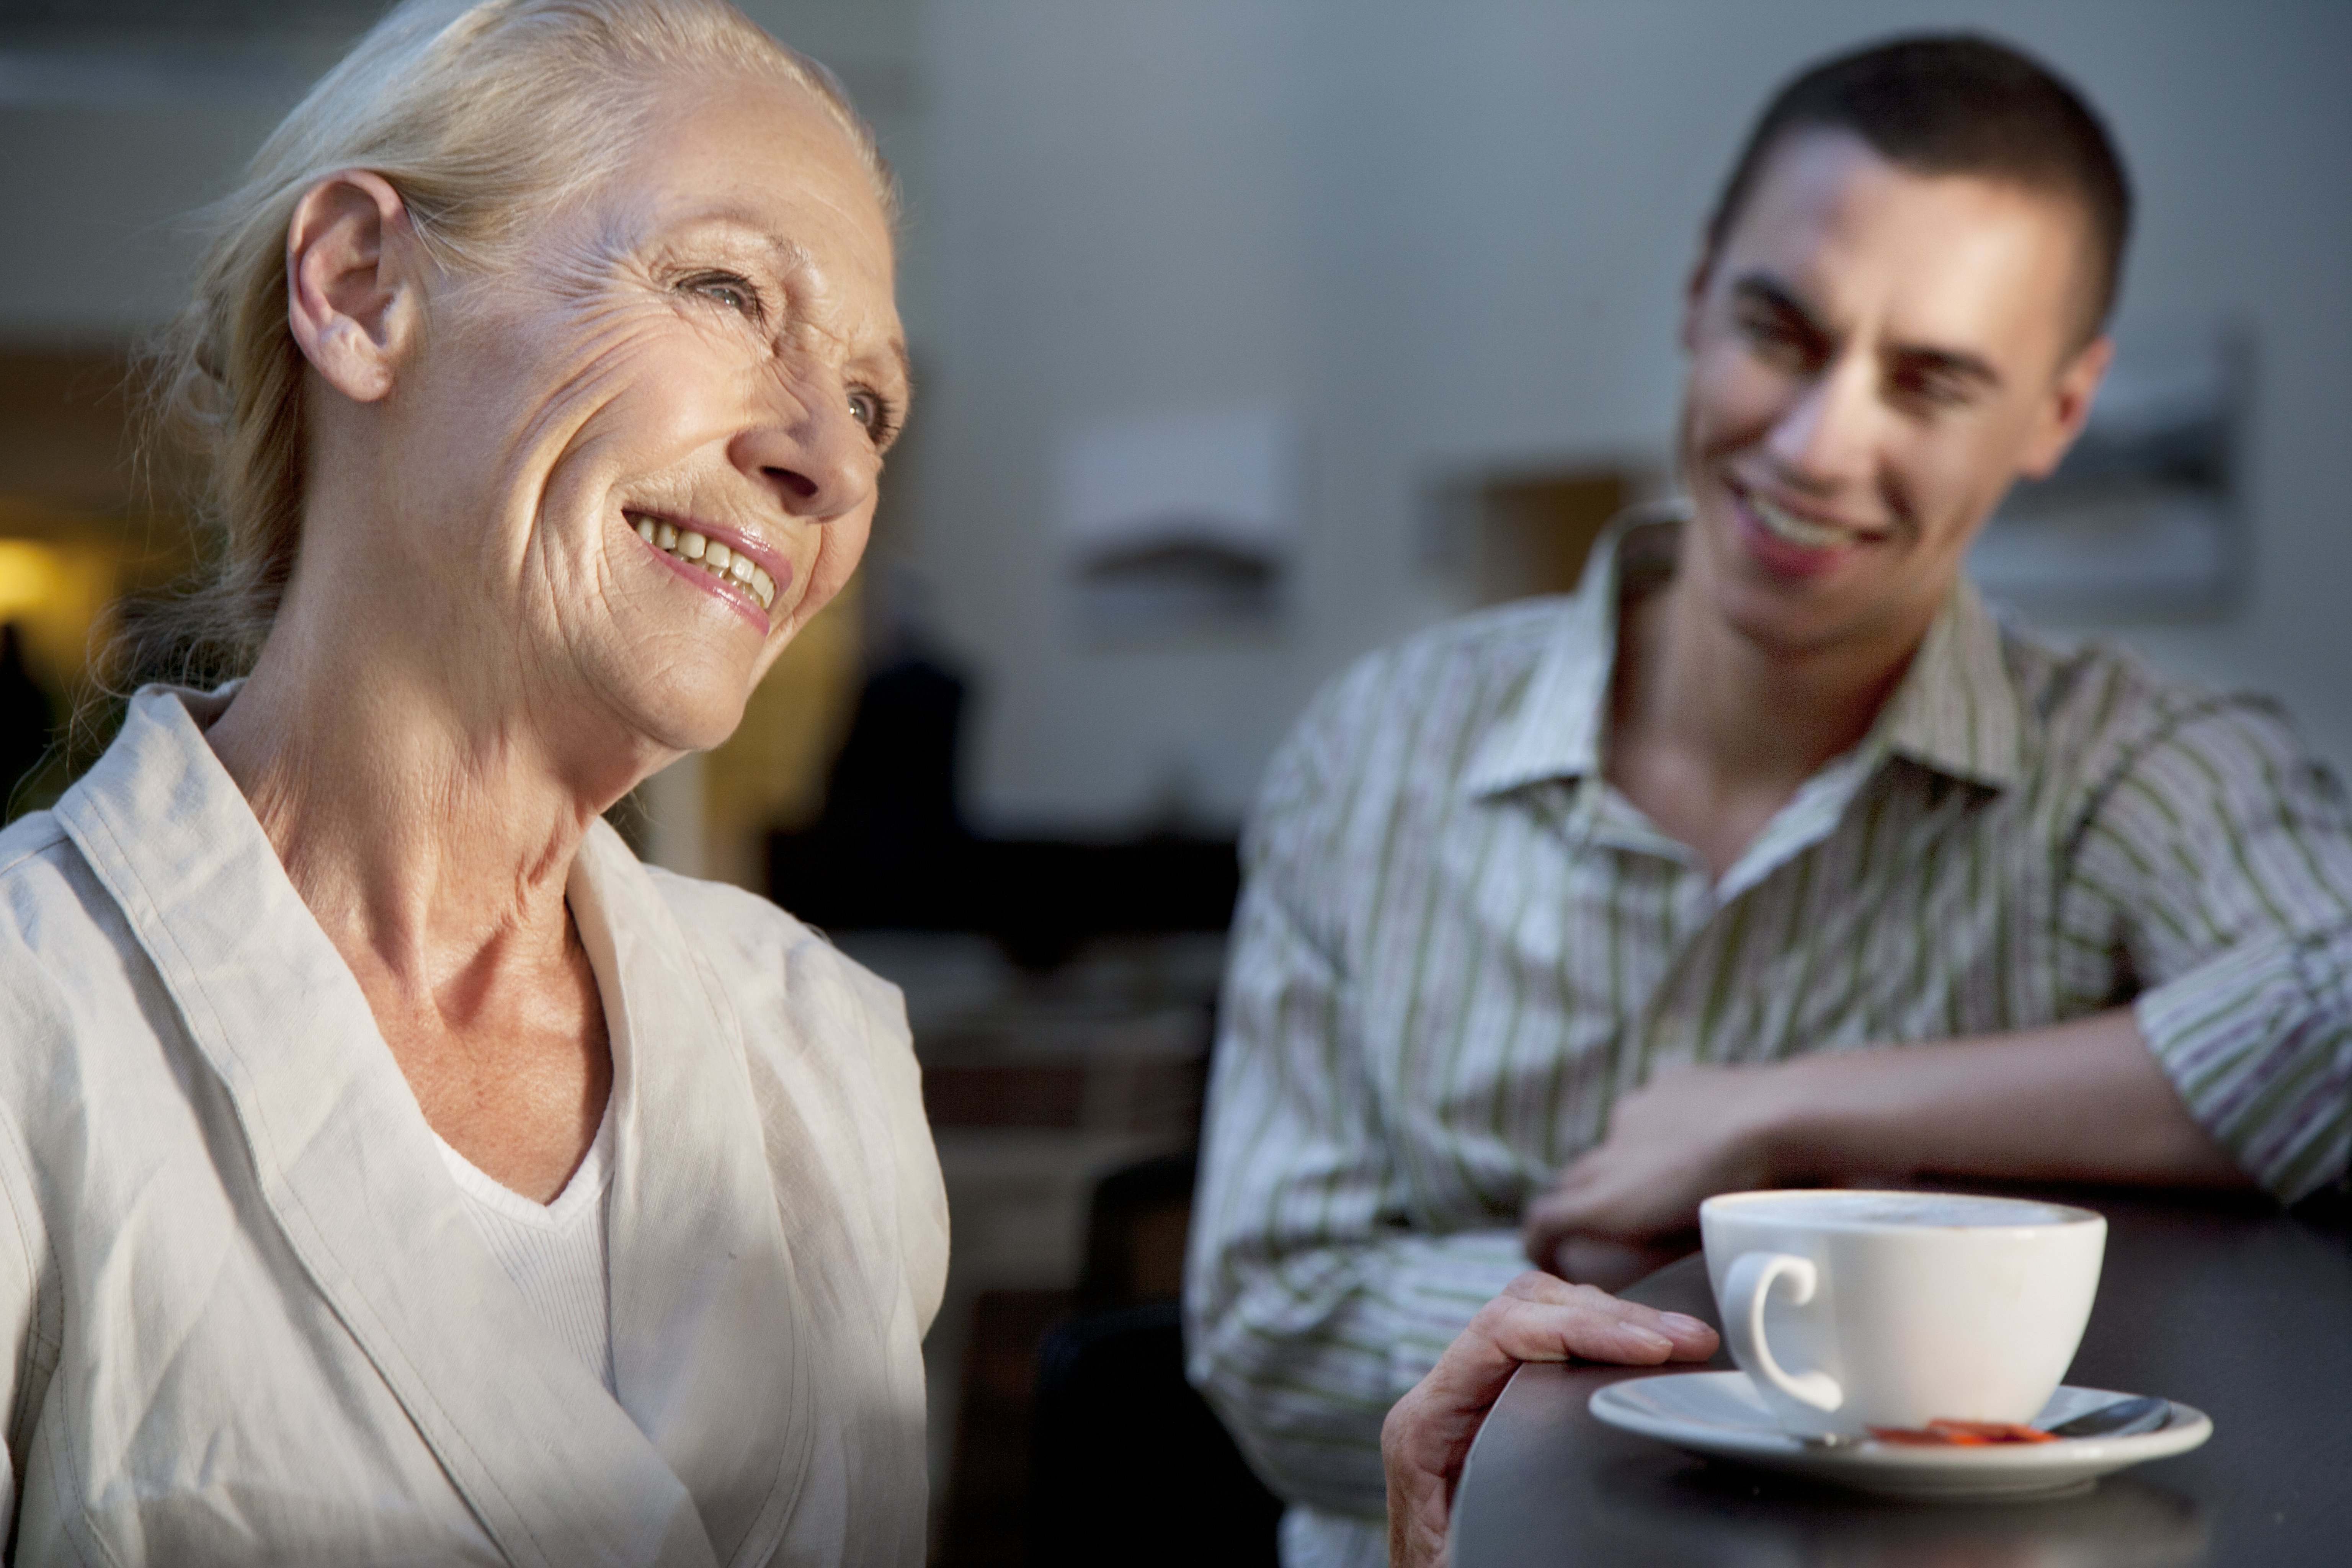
x,y
1773,339
1928,390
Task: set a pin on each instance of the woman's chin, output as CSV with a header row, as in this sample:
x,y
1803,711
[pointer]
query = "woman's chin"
x,y
669,717
701,728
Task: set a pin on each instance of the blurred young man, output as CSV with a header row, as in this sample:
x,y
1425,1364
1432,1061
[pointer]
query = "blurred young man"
x,y
1770,857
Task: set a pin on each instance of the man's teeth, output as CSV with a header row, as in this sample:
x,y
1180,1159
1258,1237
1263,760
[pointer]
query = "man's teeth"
x,y
1797,530
710,555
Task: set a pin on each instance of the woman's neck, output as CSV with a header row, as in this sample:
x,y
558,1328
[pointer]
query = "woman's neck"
x,y
429,830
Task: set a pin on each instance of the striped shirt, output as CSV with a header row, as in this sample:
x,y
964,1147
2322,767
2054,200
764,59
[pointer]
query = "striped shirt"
x,y
1458,945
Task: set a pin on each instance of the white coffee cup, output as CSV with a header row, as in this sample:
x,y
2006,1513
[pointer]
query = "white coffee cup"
x,y
1851,1310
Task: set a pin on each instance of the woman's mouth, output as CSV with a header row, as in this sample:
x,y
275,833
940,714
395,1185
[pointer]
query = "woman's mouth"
x,y
692,549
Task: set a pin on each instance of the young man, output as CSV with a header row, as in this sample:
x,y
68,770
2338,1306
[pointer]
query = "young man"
x,y
1771,859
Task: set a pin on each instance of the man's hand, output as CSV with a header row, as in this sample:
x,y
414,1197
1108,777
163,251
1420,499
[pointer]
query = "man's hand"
x,y
1686,1134
1537,1317
2079,1101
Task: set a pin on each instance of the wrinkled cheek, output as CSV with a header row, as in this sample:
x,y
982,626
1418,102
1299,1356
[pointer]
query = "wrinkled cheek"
x,y
841,544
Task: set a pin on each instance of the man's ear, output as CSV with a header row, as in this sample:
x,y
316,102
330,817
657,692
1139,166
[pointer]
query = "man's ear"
x,y
2066,406
1702,273
351,282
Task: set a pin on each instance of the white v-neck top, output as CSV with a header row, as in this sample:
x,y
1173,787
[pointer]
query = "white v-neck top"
x,y
242,1317
554,1252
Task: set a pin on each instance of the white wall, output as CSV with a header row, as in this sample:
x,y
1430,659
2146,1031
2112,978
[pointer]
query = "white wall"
x,y
1448,235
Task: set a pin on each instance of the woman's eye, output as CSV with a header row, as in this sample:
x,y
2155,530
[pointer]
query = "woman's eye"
x,y
873,415
732,292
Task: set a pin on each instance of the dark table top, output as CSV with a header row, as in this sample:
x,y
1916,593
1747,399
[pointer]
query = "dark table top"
x,y
2226,1304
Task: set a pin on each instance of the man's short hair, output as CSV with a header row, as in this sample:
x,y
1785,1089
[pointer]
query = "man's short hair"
x,y
1957,104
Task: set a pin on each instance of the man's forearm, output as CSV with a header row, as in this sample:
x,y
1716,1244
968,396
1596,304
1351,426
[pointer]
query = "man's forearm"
x,y
2084,1100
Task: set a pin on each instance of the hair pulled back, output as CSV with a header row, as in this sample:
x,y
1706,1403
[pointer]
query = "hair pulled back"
x,y
487,116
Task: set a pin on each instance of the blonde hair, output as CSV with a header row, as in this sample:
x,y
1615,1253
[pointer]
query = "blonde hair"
x,y
486,117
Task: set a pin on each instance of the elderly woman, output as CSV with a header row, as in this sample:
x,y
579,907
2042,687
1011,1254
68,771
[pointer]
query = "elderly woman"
x,y
399,1171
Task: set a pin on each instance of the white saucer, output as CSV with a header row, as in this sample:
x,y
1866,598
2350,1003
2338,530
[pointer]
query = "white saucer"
x,y
1718,1415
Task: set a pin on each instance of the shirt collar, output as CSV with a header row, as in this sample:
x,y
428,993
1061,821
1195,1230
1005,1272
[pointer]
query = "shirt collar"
x,y
1955,709
1556,729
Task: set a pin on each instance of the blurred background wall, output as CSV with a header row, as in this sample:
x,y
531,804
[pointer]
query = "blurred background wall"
x,y
1453,236
1439,239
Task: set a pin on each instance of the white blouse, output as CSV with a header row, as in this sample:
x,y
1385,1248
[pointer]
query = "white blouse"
x,y
245,1315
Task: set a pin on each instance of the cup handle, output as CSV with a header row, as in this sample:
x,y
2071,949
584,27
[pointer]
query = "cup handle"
x,y
1745,1289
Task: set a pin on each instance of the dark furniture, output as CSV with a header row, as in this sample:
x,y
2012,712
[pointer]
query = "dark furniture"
x,y
1129,1463
2225,1304
892,849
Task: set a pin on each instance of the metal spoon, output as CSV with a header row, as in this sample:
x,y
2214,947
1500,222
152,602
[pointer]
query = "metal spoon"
x,y
2124,1419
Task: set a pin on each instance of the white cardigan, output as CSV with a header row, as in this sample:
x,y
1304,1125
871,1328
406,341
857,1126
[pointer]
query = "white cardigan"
x,y
245,1318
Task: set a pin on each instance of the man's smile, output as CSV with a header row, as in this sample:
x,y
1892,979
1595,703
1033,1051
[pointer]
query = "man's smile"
x,y
1790,543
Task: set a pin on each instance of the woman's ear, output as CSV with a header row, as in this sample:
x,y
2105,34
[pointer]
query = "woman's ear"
x,y
352,281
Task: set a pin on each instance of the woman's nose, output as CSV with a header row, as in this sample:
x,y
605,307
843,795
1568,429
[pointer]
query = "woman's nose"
x,y
806,446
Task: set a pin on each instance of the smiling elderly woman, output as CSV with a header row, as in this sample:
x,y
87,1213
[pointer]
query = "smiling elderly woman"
x,y
399,1171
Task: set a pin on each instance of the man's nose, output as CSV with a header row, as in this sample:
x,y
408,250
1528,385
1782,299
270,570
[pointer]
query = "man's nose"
x,y
1828,436
806,447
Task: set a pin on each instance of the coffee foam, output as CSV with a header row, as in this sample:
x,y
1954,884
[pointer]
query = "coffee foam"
x,y
1957,1209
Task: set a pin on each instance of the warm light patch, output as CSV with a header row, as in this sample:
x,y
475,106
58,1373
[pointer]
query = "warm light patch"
x,y
30,577
56,593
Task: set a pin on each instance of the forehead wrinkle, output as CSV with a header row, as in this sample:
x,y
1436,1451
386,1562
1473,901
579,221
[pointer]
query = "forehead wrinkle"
x,y
787,255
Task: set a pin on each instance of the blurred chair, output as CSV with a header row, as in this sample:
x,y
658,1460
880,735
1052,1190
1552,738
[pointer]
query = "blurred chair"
x,y
1129,1463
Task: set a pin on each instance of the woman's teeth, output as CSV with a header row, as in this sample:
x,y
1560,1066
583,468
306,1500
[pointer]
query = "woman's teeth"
x,y
713,557
1801,531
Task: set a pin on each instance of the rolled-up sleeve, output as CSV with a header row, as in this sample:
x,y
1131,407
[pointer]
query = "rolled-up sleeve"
x,y
2224,848
2221,830
2259,1045
1312,1302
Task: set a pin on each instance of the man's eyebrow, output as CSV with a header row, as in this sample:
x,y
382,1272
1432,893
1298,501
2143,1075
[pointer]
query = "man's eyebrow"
x,y
1764,289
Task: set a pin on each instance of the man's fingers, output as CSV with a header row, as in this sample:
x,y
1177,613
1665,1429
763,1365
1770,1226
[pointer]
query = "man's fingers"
x,y
1550,1220
1599,1192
